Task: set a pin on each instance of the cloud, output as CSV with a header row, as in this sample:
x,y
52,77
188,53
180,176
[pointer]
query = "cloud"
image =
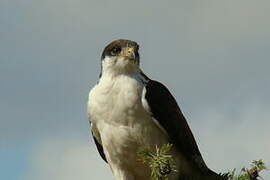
x,y
51,49
66,159
226,142
213,56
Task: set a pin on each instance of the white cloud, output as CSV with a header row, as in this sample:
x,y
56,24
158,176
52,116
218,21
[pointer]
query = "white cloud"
x,y
67,159
228,142
218,50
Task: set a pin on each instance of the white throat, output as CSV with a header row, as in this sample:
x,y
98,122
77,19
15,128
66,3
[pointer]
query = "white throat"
x,y
114,66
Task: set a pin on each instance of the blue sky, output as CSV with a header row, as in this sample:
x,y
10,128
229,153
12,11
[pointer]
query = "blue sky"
x,y
212,55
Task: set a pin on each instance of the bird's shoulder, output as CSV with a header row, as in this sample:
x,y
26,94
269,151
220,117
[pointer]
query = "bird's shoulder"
x,y
165,110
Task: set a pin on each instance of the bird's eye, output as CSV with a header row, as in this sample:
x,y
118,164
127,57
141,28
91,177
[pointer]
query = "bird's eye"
x,y
116,50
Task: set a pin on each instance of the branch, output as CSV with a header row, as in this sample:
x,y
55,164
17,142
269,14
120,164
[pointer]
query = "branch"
x,y
162,165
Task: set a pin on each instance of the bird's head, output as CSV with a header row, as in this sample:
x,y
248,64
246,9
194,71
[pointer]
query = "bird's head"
x,y
120,57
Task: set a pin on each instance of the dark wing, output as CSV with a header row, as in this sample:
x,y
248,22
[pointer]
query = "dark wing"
x,y
98,145
165,110
99,148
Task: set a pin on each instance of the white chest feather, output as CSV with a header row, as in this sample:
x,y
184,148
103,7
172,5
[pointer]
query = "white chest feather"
x,y
116,101
121,122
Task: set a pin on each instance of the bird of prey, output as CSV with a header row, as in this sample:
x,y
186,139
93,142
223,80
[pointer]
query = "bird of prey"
x,y
128,110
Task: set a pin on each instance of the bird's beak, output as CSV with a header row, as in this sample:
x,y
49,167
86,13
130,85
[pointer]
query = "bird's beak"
x,y
128,53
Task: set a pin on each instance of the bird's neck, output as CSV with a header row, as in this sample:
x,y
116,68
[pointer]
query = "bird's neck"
x,y
112,76
108,78
111,68
110,73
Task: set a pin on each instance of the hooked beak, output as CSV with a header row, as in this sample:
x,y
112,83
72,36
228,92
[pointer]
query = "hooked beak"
x,y
128,53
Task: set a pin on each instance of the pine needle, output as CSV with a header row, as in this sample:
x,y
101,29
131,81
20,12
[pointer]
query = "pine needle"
x,y
160,162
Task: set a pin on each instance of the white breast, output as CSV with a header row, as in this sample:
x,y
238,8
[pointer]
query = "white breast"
x,y
122,124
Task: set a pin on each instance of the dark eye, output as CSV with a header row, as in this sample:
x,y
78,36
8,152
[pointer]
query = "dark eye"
x,y
115,50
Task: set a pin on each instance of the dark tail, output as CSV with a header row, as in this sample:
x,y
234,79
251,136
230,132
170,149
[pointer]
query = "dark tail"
x,y
210,175
214,176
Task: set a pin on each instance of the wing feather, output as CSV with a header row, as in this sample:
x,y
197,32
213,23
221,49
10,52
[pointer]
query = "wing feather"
x,y
99,148
166,111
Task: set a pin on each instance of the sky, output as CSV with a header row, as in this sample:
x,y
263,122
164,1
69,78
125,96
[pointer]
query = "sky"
x,y
212,55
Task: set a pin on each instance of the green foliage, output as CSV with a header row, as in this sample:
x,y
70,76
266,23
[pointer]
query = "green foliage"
x,y
160,162
248,174
162,165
